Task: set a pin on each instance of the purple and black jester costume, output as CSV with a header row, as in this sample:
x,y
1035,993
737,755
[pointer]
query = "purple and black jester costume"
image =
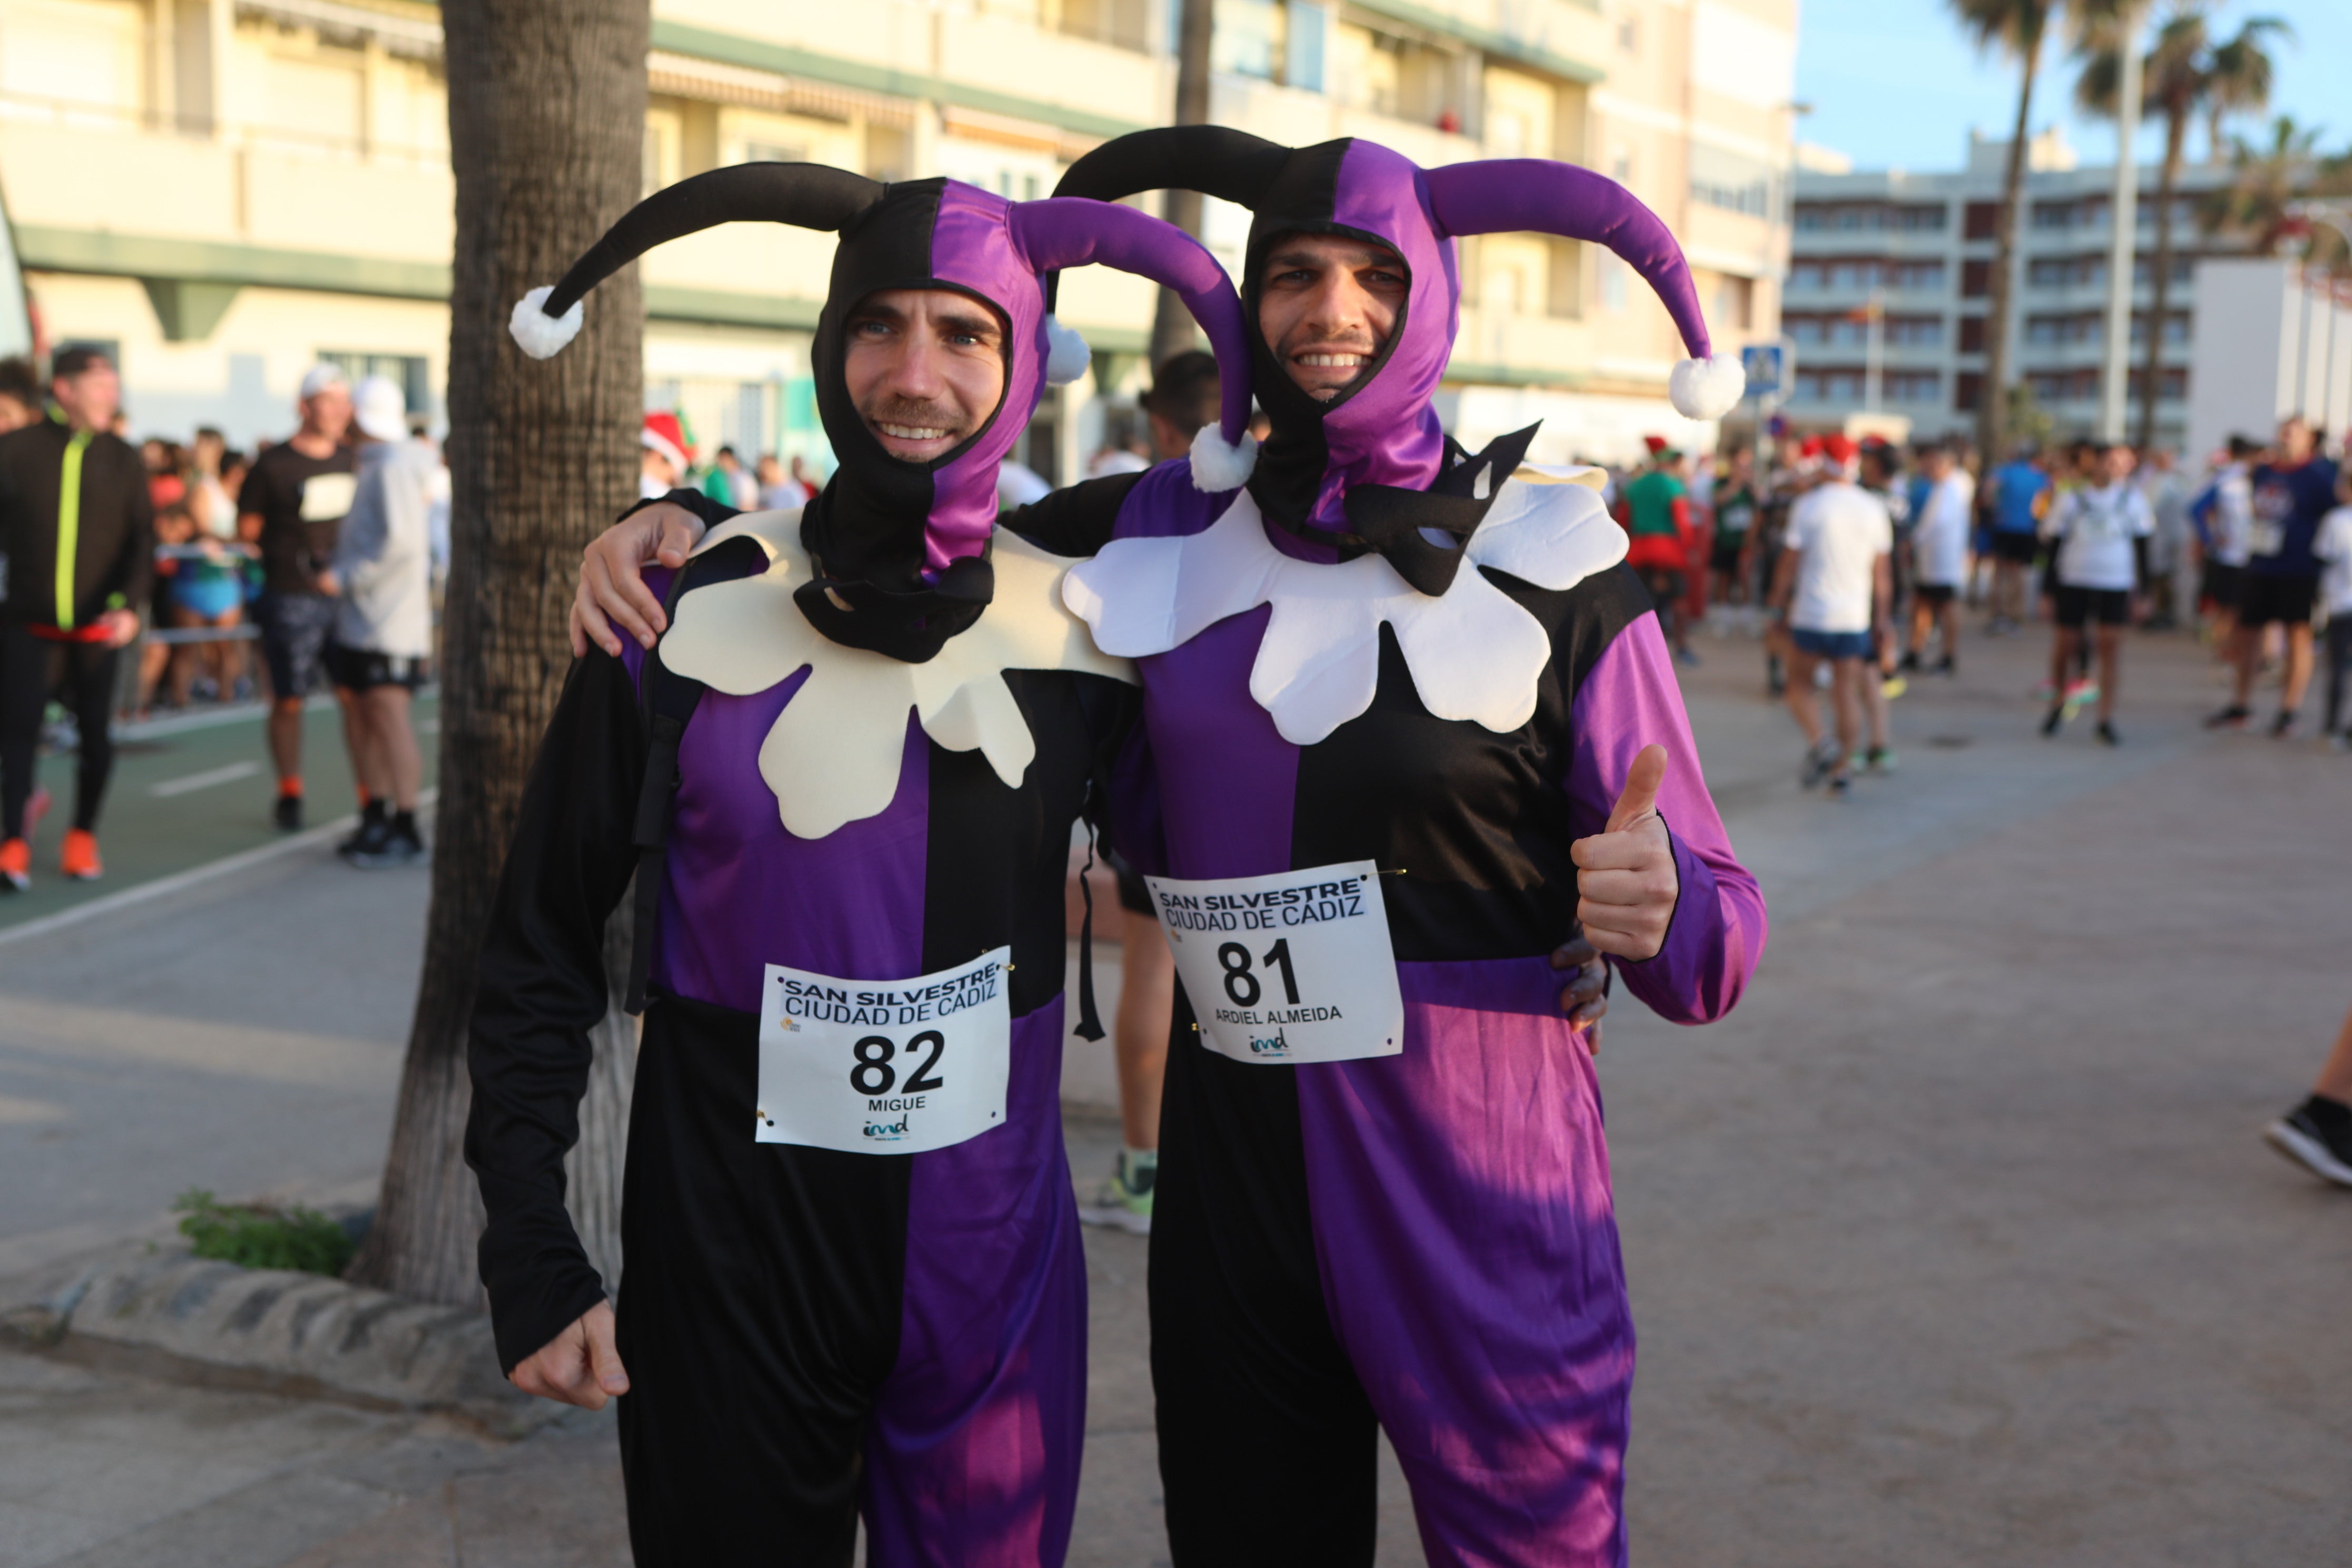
x,y
1425,1240
812,1333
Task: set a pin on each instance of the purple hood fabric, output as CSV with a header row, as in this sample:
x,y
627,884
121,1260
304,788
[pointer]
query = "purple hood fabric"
x,y
1382,431
905,544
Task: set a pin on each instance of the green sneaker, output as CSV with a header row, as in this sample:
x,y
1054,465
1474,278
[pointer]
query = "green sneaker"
x,y
1124,1202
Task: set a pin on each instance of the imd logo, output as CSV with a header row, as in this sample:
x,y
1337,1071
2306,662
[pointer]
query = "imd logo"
x,y
1277,1046
886,1131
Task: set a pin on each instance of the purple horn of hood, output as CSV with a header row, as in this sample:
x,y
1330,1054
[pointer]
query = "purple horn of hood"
x,y
1533,195
1069,231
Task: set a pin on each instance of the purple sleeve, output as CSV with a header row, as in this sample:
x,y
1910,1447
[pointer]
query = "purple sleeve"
x,y
1629,700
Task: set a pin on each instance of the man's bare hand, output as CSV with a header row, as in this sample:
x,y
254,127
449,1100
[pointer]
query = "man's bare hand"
x,y
578,1366
1626,879
121,627
613,591
1584,998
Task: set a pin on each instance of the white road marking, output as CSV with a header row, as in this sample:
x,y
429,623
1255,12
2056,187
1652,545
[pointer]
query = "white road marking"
x,y
206,780
146,891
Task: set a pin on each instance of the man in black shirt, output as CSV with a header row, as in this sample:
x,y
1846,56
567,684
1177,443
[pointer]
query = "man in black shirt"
x,y
300,490
79,539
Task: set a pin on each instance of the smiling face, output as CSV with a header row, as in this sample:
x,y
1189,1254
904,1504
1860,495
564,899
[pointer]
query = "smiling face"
x,y
924,369
1327,306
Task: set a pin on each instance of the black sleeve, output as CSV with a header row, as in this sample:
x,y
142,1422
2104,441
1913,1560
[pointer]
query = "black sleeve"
x,y
542,988
1075,522
712,513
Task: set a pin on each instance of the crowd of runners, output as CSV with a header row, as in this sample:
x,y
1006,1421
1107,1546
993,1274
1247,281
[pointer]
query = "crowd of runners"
x,y
1855,562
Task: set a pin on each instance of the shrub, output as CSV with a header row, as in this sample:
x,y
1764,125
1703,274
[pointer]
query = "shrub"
x,y
256,1236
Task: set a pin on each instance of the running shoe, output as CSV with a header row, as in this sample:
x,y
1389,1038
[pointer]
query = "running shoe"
x,y
1841,787
79,861
2317,1135
287,814
401,847
1946,665
2081,693
369,837
2106,733
1879,759
1910,661
2233,717
15,866
1124,1201
2057,719
2283,726
1818,763
1892,687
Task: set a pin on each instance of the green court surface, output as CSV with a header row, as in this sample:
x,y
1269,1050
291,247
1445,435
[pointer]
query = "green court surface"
x,y
188,793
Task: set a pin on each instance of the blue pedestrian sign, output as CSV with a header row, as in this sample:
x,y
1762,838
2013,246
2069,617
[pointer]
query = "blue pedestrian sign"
x,y
1766,366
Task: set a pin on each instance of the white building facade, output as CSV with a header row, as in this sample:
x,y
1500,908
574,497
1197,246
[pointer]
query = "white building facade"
x,y
1890,279
224,191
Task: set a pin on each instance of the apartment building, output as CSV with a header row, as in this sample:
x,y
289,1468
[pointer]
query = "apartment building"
x,y
1890,277
224,191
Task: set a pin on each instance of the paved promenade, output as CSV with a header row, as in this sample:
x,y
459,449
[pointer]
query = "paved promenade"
x,y
1957,1244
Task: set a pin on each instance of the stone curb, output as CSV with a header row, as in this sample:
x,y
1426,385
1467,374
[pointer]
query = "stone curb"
x,y
293,1332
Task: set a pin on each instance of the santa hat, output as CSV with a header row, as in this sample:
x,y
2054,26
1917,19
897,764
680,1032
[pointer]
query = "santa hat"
x,y
663,434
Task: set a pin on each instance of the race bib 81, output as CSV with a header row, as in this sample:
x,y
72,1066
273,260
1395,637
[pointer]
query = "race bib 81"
x,y
1292,967
894,1067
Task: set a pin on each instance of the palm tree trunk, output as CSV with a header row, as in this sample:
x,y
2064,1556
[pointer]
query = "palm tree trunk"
x,y
1992,412
547,101
1171,323
2176,134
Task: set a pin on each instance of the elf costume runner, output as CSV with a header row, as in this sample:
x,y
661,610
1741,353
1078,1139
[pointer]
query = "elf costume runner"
x,y
845,783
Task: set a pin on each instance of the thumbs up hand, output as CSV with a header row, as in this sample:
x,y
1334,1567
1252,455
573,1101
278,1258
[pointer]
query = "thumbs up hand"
x,y
1625,880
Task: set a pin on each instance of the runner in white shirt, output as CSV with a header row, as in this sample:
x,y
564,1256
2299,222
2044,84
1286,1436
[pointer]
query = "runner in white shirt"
x,y
1835,583
2332,549
1940,556
2102,531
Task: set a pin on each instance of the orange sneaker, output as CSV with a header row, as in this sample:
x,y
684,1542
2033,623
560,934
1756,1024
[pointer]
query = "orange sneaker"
x,y
79,861
15,866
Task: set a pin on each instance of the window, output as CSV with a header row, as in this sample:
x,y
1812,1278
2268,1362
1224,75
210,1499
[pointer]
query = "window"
x,y
76,52
1612,280
1972,334
774,152
1915,332
404,370
1302,64
1913,385
1880,217
2143,268
2171,386
1982,221
1842,383
1728,308
1629,35
1729,181
2063,385
2060,331
1915,276
1248,40
1122,23
1967,391
2085,271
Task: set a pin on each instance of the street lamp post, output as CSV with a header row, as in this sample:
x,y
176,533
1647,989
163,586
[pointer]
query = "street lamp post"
x,y
2123,219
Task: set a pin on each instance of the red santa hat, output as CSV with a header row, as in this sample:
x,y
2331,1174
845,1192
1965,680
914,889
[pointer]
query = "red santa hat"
x,y
663,434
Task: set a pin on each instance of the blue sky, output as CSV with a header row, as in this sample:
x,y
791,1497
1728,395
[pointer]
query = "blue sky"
x,y
1894,84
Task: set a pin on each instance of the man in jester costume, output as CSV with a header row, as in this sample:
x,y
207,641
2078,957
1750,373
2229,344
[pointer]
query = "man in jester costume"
x,y
1410,723
846,784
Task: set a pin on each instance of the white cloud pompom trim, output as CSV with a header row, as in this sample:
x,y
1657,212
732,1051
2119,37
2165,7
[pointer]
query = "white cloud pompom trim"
x,y
539,335
1222,465
1706,388
1067,354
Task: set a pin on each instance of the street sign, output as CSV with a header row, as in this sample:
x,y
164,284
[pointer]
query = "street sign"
x,y
1769,367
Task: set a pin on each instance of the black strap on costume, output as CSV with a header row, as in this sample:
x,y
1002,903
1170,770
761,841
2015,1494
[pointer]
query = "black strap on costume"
x,y
1089,1021
669,701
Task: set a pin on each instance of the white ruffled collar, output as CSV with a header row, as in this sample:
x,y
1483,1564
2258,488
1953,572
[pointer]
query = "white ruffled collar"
x,y
832,755
1475,653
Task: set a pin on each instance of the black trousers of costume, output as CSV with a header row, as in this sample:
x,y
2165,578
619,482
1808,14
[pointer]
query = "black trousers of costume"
x,y
1267,1440
759,1310
30,668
